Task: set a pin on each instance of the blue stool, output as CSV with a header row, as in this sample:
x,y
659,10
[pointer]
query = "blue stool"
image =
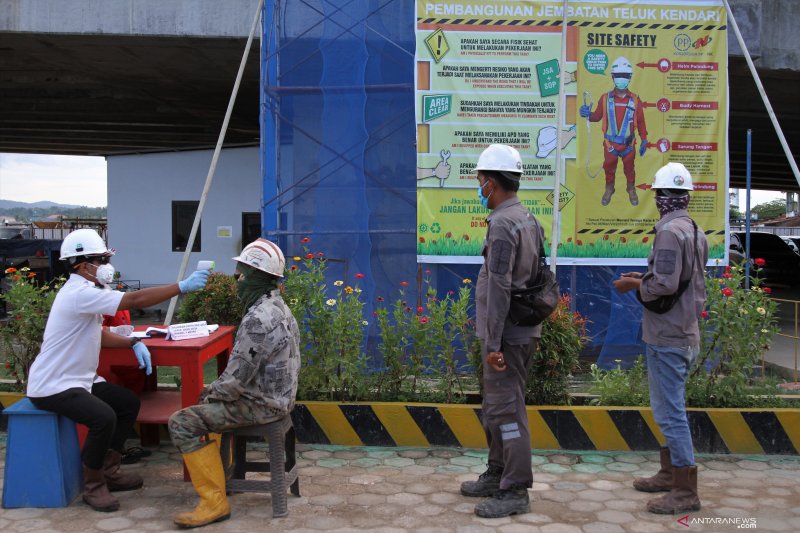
x,y
43,460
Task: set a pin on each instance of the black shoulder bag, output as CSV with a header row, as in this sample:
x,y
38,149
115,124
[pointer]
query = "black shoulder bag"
x,y
664,303
537,301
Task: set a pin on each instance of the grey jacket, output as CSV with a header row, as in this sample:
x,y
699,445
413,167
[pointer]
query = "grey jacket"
x,y
510,258
670,260
265,361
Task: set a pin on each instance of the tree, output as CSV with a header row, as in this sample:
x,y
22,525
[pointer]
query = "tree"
x,y
734,214
770,210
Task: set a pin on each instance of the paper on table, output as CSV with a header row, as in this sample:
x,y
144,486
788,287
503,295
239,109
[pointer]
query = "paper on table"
x,y
158,332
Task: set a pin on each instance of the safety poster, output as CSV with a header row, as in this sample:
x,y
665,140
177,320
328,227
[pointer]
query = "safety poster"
x,y
645,83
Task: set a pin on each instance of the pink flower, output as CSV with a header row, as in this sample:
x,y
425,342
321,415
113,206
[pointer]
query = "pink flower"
x,y
423,320
760,262
704,314
359,276
309,256
305,240
420,309
727,275
403,283
374,313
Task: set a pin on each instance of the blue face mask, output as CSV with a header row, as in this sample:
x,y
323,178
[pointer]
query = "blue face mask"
x,y
484,199
621,83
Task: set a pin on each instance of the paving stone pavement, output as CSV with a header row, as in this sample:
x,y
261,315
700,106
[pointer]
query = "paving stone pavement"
x,y
395,490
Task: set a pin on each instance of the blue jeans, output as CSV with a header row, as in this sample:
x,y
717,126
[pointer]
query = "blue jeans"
x,y
667,369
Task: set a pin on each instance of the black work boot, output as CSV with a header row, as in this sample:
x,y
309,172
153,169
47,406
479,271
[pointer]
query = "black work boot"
x,y
488,483
505,502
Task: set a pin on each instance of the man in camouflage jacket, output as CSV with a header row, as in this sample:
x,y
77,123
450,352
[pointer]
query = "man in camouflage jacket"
x,y
258,385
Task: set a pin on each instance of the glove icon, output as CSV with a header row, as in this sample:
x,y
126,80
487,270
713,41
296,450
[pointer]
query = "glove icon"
x,y
585,111
143,357
643,147
196,281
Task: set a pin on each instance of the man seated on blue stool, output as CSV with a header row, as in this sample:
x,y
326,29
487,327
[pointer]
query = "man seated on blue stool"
x,y
63,377
258,386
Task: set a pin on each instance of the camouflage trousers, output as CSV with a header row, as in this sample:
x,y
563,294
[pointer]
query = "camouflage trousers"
x,y
189,427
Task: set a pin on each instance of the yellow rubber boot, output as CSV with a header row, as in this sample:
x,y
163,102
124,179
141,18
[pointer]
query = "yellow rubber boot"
x,y
208,478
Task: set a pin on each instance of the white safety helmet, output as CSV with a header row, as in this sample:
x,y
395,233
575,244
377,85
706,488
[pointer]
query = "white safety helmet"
x,y
546,141
263,255
621,66
83,242
500,158
673,176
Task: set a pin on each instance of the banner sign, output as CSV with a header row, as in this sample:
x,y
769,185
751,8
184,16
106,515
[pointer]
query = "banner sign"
x,y
645,83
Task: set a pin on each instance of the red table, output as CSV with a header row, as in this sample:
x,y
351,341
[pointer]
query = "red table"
x,y
190,355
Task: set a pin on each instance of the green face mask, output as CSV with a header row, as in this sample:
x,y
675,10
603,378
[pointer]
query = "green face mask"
x,y
253,284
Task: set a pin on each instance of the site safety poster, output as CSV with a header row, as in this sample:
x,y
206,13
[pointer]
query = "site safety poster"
x,y
487,72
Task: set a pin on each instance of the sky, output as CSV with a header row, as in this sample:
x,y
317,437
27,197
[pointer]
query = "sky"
x,y
64,179
81,180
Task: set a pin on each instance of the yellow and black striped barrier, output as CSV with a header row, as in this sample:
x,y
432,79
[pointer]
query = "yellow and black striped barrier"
x,y
750,431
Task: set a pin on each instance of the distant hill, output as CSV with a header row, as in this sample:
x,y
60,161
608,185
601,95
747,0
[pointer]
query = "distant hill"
x,y
10,204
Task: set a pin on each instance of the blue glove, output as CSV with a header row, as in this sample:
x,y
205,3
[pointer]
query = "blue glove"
x,y
143,357
643,147
585,111
196,281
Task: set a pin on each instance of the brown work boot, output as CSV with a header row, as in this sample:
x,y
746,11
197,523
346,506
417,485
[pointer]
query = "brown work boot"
x,y
95,491
116,479
683,496
660,482
631,188
607,195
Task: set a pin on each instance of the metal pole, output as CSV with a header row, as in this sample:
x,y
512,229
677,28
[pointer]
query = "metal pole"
x,y
269,122
556,229
763,94
214,159
747,214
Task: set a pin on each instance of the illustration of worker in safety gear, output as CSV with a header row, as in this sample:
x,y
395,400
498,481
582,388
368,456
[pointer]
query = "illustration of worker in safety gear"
x,y
257,387
622,116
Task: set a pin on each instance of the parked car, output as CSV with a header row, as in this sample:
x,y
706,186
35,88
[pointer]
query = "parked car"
x,y
782,264
793,242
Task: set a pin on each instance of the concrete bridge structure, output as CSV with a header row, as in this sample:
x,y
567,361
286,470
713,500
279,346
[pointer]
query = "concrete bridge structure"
x,y
107,77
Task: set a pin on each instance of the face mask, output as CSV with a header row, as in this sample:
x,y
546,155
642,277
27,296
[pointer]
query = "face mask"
x,y
104,274
621,83
484,199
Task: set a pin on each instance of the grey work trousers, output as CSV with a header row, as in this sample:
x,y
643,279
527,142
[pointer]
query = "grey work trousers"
x,y
505,418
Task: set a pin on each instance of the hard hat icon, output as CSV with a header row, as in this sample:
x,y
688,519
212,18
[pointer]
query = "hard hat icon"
x,y
546,141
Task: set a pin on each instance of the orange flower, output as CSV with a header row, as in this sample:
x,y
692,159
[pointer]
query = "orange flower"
x,y
10,270
32,274
422,240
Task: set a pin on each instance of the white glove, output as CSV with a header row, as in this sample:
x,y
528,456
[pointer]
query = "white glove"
x,y
196,281
143,357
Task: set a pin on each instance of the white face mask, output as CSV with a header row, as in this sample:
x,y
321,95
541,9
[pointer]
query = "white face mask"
x,y
104,274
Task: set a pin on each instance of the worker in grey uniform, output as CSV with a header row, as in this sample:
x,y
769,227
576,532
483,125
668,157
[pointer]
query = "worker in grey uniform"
x,y
258,386
511,257
675,272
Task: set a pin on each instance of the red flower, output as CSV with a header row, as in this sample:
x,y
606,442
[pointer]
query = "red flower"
x,y
727,291
466,237
422,240
579,242
379,298
374,313
8,365
427,272
320,254
727,269
704,314
359,276
605,237
305,240
403,283
420,309
423,320
760,262
293,268
623,240
767,290
309,256
645,239
727,275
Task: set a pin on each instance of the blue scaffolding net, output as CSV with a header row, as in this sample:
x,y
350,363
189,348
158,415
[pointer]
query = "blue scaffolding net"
x,y
339,162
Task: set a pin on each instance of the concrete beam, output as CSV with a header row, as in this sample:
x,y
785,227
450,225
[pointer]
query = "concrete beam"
x,y
176,18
